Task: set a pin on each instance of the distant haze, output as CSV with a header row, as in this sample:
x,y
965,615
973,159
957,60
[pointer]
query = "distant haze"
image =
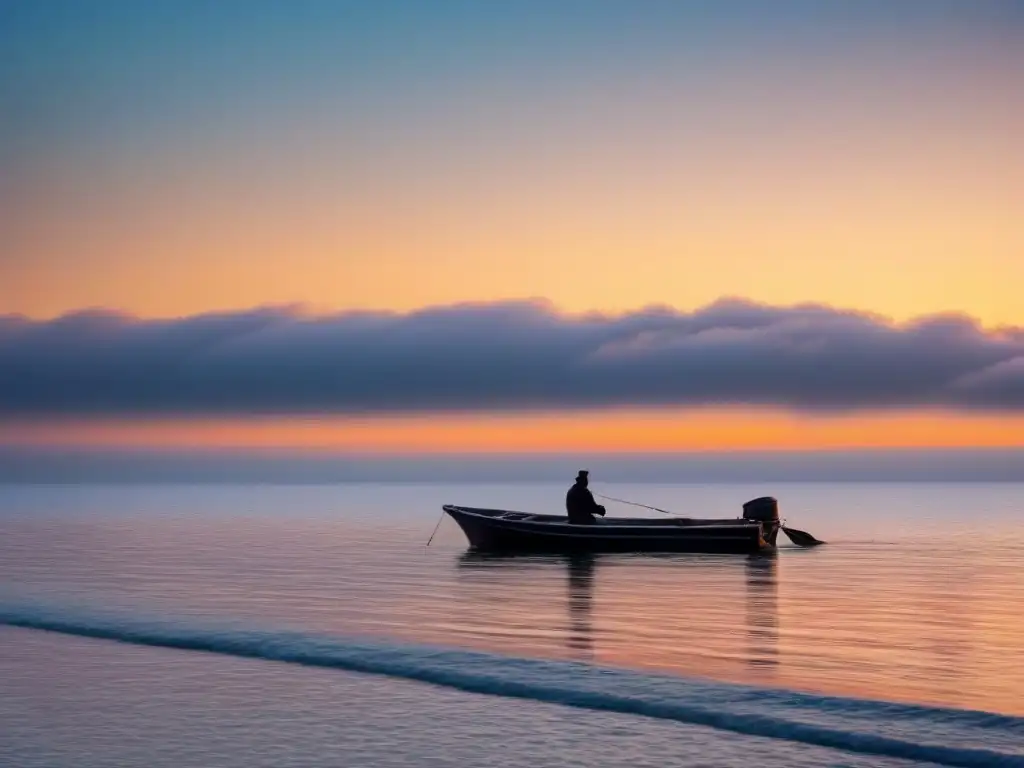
x,y
54,465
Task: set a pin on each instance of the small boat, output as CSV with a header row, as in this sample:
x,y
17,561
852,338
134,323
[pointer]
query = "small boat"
x,y
502,530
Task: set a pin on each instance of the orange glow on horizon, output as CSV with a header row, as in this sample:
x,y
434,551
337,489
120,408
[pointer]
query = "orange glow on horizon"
x,y
623,431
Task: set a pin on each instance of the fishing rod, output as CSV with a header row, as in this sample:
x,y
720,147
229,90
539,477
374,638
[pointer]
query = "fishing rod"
x,y
633,503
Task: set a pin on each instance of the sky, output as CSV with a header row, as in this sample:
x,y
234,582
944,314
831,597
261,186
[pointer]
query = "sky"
x,y
402,226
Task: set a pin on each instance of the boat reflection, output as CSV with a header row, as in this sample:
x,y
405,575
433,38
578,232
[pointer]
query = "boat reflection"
x,y
762,610
581,594
688,615
580,572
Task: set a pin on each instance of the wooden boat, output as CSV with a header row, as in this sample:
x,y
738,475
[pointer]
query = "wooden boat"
x,y
502,530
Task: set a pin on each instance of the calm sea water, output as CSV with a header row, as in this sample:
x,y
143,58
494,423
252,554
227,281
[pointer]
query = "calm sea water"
x,y
331,635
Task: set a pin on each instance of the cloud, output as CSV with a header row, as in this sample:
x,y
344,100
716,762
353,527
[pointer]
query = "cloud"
x,y
502,356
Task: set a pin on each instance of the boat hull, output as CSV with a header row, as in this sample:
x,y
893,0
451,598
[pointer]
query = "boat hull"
x,y
508,531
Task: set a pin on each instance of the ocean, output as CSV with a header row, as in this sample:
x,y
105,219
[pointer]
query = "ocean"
x,y
310,625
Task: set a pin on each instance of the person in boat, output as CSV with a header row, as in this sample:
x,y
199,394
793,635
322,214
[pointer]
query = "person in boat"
x,y
579,502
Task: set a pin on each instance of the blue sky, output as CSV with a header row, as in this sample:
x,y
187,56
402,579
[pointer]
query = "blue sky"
x,y
115,69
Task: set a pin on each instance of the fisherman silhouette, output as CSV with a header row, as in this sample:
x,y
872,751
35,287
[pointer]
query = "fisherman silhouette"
x,y
579,502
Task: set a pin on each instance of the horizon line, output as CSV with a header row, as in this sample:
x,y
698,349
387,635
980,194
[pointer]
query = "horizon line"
x,y
60,466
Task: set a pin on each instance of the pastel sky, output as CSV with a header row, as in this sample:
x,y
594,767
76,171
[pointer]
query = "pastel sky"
x,y
179,161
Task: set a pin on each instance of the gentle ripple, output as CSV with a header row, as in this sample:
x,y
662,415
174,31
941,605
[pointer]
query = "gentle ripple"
x,y
119,705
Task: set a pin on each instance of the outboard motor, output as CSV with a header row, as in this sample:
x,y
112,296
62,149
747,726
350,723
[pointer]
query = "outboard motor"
x,y
764,510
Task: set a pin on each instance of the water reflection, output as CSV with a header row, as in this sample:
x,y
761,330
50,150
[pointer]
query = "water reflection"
x,y
691,605
533,577
762,610
581,593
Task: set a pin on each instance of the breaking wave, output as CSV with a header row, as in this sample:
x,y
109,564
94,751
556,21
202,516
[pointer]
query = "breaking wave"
x,y
933,734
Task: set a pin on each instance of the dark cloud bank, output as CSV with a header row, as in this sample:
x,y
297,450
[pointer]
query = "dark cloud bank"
x,y
504,356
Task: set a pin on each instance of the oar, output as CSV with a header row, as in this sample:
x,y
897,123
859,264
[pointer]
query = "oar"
x,y
798,537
